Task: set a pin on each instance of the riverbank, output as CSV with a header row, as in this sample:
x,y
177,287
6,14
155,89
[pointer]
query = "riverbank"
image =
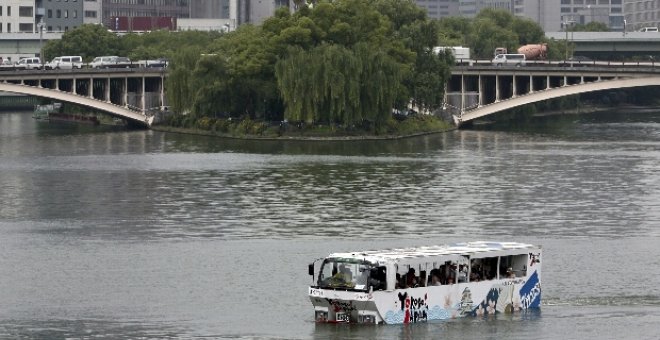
x,y
164,128
408,128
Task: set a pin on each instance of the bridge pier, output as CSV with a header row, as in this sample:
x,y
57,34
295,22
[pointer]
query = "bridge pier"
x,y
143,99
514,91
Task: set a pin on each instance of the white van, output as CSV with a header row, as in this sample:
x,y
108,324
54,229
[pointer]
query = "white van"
x,y
649,29
65,62
29,64
509,59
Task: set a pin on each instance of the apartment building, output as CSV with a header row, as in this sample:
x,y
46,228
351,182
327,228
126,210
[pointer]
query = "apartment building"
x,y
470,8
437,9
608,12
641,13
17,16
62,15
555,15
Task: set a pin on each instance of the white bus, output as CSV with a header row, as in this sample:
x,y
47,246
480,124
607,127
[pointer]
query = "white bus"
x,y
409,285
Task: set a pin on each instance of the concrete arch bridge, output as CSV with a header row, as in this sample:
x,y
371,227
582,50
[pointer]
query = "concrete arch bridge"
x,y
132,94
478,91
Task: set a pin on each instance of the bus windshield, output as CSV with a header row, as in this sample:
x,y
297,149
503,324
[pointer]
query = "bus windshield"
x,y
350,274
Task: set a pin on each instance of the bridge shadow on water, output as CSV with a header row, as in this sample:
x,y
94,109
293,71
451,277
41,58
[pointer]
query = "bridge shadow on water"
x,y
577,125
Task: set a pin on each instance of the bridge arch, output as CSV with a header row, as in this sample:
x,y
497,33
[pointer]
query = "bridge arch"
x,y
113,109
551,93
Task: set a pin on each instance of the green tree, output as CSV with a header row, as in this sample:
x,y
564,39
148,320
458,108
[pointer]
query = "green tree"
x,y
452,31
528,31
486,35
180,84
88,41
593,26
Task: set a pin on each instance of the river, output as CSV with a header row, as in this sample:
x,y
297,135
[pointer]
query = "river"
x,y
108,233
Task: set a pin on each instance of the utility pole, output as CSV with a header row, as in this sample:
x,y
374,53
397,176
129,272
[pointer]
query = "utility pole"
x,y
41,25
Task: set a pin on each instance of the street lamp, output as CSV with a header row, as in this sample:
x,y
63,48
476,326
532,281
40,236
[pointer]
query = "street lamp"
x,y
41,25
566,23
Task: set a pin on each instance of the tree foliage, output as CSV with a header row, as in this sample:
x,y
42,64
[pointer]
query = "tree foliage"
x,y
88,41
593,26
491,28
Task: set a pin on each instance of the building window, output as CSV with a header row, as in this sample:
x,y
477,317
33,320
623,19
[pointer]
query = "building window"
x,y
0,14
58,13
25,27
8,14
25,11
8,25
66,13
49,29
75,13
90,14
50,13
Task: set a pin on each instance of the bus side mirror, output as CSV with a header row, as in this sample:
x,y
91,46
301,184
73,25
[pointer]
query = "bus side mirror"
x,y
310,269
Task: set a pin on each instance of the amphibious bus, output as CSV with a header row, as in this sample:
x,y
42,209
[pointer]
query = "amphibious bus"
x,y
418,284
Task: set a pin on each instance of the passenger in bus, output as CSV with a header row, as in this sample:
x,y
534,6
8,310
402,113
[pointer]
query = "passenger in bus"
x,y
509,273
452,274
435,278
411,279
474,277
378,279
462,273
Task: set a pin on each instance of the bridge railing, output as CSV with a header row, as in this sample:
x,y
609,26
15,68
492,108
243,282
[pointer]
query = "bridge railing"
x,y
565,63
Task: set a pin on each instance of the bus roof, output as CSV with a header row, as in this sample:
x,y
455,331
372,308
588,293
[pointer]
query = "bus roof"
x,y
449,250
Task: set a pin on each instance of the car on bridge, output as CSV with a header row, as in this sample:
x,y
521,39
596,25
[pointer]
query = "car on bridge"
x,y
7,65
65,63
111,62
33,63
517,59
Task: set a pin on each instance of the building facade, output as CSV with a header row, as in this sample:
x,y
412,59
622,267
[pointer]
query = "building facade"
x,y
92,11
470,8
608,12
17,16
555,15
641,13
62,15
437,9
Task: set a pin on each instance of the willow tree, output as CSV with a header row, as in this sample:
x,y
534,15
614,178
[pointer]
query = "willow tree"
x,y
334,84
180,89
380,80
319,85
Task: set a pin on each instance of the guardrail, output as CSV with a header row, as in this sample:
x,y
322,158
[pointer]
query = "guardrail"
x,y
563,63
